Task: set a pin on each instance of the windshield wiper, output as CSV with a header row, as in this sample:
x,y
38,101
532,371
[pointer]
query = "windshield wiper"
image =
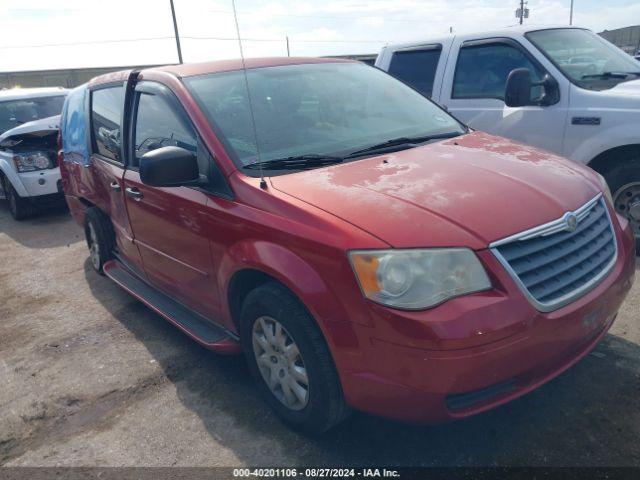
x,y
611,75
298,162
402,143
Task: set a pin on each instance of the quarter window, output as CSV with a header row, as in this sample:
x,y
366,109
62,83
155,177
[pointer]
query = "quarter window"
x,y
159,125
416,68
106,118
482,71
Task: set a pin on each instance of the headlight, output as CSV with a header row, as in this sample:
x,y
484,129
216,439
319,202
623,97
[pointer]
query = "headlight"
x,y
605,188
418,278
29,162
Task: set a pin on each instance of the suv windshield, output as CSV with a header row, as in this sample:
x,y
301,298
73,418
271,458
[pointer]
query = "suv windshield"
x,y
17,112
586,58
315,111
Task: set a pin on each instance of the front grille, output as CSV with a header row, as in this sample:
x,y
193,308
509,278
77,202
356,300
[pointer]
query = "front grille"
x,y
554,266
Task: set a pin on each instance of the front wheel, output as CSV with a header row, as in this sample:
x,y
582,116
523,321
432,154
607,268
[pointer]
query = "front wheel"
x,y
100,238
290,361
624,182
20,208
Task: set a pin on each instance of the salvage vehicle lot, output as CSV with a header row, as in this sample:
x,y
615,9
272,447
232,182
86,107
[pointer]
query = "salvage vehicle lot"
x,y
92,377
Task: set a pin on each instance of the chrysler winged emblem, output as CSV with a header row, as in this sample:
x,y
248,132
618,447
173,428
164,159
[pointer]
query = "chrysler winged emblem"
x,y
571,221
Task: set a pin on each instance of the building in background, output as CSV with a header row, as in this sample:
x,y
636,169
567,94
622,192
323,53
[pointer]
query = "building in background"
x,y
627,38
368,58
68,77
72,77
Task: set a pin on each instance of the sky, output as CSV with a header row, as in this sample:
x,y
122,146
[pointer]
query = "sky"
x,y
47,34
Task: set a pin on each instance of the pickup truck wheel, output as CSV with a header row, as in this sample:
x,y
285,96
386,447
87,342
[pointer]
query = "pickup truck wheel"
x,y
100,238
624,182
290,361
20,208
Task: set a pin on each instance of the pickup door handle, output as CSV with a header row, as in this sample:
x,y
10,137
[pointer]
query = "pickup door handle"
x,y
134,193
115,186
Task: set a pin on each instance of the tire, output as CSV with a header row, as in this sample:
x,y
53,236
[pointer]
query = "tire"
x,y
325,406
100,238
20,208
624,183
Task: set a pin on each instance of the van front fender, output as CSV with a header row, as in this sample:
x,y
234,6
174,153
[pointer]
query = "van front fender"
x,y
288,268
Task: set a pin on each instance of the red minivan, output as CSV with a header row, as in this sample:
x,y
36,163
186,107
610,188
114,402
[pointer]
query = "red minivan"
x,y
363,248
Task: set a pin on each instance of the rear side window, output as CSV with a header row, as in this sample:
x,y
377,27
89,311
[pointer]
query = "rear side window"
x,y
416,68
159,125
106,118
482,71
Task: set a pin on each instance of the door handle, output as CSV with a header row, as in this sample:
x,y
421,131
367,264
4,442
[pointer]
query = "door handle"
x,y
115,186
134,193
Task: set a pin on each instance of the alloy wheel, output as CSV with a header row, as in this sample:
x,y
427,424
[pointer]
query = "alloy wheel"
x,y
280,363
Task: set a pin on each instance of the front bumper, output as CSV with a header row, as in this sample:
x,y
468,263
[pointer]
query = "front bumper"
x,y
476,352
39,183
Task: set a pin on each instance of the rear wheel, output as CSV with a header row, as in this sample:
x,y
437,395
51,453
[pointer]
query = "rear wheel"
x,y
290,361
100,238
20,208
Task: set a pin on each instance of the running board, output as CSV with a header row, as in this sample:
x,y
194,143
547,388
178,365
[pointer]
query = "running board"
x,y
201,329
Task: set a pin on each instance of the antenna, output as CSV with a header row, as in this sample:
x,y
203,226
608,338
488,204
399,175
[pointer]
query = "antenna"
x,y
263,183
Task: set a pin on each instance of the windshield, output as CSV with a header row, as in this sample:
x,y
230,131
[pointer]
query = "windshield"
x,y
17,112
586,58
314,109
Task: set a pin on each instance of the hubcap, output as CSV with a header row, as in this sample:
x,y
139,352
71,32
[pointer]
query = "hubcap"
x,y
627,203
94,248
280,363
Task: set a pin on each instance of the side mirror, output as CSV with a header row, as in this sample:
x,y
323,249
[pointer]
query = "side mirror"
x,y
169,167
518,88
551,91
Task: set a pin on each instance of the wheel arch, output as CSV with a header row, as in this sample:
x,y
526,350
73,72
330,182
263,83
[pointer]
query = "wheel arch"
x,y
607,160
8,172
251,263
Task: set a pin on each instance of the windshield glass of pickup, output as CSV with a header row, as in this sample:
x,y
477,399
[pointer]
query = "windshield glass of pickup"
x,y
17,112
586,58
314,109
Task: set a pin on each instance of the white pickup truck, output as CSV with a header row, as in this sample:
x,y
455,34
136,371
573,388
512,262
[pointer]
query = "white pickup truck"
x,y
563,89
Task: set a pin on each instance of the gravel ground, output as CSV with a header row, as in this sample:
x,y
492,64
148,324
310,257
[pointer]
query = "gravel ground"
x,y
92,377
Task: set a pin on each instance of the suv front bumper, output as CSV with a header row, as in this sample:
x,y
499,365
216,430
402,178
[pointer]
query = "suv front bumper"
x,y
38,183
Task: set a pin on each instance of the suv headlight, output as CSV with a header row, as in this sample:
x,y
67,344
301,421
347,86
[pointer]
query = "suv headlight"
x,y
29,162
415,279
605,188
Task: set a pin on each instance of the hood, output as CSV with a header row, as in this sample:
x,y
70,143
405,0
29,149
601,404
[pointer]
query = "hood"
x,y
41,127
632,87
467,191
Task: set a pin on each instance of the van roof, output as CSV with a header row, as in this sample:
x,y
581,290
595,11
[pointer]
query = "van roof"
x,y
192,69
512,31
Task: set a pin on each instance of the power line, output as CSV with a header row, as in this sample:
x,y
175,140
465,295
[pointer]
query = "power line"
x,y
188,37
92,42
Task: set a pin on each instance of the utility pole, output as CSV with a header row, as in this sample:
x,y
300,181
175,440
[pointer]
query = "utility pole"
x,y
288,52
175,29
571,14
522,12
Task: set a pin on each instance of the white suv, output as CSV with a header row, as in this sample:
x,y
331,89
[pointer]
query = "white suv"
x,y
29,125
564,89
